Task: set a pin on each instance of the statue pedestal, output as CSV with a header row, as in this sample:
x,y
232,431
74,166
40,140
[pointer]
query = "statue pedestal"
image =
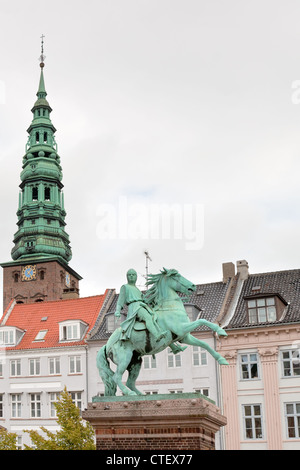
x,y
186,421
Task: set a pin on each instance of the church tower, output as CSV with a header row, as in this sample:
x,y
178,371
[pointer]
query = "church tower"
x,y
41,252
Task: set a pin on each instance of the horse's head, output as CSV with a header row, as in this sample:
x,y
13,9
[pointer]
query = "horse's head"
x,y
177,282
165,285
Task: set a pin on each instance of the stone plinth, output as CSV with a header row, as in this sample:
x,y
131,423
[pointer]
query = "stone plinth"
x,y
186,421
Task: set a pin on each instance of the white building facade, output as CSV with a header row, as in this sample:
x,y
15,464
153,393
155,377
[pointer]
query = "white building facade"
x,y
46,353
31,382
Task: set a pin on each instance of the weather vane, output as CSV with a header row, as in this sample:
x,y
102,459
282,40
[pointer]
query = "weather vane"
x,y
42,56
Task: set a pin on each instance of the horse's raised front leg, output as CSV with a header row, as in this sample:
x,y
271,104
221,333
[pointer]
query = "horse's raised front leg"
x,y
190,339
184,328
213,326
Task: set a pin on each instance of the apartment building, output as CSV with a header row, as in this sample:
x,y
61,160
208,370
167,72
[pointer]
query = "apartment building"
x,y
261,385
43,350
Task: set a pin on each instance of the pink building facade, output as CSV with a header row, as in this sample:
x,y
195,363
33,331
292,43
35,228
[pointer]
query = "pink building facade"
x,y
261,385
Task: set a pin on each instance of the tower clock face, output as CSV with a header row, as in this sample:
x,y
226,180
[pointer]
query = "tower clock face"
x,y
29,273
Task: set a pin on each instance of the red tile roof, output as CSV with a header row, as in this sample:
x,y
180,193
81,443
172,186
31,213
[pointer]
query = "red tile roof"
x,y
47,315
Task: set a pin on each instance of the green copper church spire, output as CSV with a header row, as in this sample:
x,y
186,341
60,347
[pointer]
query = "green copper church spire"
x,y
41,214
41,91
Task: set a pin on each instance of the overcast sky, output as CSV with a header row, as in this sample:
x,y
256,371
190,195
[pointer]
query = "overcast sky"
x,y
160,102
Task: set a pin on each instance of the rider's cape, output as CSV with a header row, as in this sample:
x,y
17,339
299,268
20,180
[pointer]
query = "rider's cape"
x,y
128,324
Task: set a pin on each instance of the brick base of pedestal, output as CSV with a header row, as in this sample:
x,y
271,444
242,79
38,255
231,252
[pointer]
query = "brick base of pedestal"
x,y
187,421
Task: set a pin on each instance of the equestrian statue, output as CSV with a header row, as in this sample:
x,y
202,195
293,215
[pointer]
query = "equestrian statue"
x,y
155,321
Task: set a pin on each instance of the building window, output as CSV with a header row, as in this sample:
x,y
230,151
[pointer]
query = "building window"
x,y
34,366
7,337
35,405
292,413
199,356
72,330
15,367
54,365
29,245
74,364
54,397
1,405
252,418
192,311
19,443
1,367
149,362
291,363
175,391
111,323
47,194
35,193
203,391
174,360
77,399
249,366
262,310
42,333
16,405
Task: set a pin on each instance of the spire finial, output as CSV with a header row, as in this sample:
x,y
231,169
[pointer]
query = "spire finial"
x,y
42,56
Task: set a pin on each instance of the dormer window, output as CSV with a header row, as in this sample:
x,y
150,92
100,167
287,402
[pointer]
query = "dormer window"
x,y
72,330
192,311
7,337
265,309
10,336
262,310
112,322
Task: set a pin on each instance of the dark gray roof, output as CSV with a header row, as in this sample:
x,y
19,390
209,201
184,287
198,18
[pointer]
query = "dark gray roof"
x,y
286,284
207,297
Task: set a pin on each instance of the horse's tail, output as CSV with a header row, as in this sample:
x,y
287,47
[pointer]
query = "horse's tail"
x,y
105,372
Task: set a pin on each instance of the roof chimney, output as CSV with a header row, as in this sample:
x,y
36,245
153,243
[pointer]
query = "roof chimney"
x,y
228,271
243,268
